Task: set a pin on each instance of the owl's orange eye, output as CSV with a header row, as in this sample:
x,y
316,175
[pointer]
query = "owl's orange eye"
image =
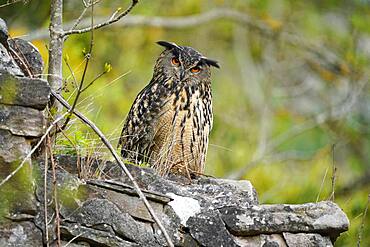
x,y
175,61
195,69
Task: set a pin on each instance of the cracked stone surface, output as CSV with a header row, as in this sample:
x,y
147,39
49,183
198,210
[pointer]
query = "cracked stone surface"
x,y
103,215
29,53
324,217
12,148
7,63
263,240
23,91
22,121
17,234
306,240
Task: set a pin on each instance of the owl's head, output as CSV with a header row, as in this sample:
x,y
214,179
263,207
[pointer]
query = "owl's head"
x,y
183,63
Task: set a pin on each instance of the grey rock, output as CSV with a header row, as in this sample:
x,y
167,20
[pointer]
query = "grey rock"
x,y
23,91
188,241
93,236
12,148
323,217
171,223
72,244
4,34
27,56
306,240
19,234
273,240
127,201
7,62
210,192
101,214
21,120
208,229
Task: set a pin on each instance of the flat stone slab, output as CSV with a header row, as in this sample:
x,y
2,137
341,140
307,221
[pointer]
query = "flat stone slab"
x,y
208,191
306,240
21,120
31,58
20,234
12,148
23,91
103,215
207,229
7,63
273,240
323,217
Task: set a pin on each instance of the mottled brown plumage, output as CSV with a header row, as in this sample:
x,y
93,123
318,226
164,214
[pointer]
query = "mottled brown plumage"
x,y
170,120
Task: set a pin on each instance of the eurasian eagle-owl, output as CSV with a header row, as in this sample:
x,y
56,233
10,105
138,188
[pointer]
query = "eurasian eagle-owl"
x,y
170,120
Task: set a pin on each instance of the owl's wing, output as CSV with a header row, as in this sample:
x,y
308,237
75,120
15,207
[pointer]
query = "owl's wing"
x,y
140,125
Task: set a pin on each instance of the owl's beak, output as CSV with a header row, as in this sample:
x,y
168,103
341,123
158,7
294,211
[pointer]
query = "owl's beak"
x,y
182,74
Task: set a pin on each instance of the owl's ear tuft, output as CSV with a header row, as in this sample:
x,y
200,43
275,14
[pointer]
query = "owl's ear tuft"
x,y
211,62
168,45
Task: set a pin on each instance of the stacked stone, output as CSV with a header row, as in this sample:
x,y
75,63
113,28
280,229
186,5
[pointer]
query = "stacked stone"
x,y
205,212
22,99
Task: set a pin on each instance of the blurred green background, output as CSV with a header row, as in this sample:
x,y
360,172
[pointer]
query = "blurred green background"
x,y
291,100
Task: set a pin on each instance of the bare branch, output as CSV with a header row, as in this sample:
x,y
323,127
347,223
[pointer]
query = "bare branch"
x,y
166,22
88,57
333,175
194,20
94,80
55,47
74,80
10,2
118,160
111,20
77,22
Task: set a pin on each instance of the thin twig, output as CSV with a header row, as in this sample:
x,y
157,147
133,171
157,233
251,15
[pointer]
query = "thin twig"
x,y
55,192
10,3
86,7
46,200
195,20
322,184
334,174
72,73
74,238
28,156
106,23
119,161
19,56
88,57
363,222
92,82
